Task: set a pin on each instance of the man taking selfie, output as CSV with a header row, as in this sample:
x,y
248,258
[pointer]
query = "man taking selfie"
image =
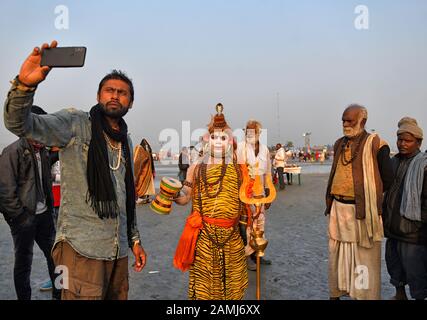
x,y
97,218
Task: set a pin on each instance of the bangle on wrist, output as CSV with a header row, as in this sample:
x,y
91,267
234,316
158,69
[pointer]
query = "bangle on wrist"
x,y
22,87
136,242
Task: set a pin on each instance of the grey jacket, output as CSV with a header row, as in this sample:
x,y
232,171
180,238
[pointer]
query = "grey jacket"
x,y
18,181
78,224
396,226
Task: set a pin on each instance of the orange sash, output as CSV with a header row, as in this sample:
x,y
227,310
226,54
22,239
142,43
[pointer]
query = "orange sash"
x,y
184,254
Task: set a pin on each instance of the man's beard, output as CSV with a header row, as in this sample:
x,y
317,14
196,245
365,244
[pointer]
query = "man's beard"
x,y
251,140
351,132
115,114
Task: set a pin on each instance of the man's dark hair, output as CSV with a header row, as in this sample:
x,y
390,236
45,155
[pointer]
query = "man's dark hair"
x,y
117,75
37,110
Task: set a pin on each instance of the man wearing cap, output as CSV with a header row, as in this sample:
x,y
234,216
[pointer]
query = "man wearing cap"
x,y
405,214
26,202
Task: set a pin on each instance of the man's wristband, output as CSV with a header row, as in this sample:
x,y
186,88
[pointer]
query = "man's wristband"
x,y
22,87
136,242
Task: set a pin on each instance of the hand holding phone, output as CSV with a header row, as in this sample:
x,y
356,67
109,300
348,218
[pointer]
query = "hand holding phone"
x,y
32,73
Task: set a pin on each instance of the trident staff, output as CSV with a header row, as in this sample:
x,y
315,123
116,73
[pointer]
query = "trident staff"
x,y
252,193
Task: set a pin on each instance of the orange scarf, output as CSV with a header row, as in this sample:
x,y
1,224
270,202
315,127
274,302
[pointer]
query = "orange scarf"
x,y
184,254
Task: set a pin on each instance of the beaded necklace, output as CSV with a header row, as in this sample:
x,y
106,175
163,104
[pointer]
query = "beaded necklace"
x,y
200,182
119,148
219,182
345,162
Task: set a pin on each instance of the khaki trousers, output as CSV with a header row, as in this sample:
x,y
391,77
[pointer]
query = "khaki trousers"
x,y
90,279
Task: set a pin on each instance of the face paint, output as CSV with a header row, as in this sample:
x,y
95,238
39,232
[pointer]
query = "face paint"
x,y
219,144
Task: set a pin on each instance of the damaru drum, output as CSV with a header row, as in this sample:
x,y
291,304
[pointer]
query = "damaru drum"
x,y
169,188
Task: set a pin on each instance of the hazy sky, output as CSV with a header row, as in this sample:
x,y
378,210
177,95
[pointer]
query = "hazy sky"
x,y
185,56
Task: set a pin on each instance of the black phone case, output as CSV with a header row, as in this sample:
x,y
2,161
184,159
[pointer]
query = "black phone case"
x,y
64,57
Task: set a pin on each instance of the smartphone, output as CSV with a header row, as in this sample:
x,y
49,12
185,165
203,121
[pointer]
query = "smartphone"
x,y
64,57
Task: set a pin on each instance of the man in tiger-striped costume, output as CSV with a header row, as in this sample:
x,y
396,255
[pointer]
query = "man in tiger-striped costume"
x,y
211,246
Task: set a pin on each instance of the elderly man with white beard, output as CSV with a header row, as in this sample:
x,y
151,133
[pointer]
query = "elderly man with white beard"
x,y
360,173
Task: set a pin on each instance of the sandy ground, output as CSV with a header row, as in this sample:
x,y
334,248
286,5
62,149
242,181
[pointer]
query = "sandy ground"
x,y
296,229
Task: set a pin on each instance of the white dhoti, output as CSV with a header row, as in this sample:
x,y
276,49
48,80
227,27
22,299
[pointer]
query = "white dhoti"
x,y
354,258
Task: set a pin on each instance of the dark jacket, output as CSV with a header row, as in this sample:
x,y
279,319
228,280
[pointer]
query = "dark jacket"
x,y
396,226
18,181
183,162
